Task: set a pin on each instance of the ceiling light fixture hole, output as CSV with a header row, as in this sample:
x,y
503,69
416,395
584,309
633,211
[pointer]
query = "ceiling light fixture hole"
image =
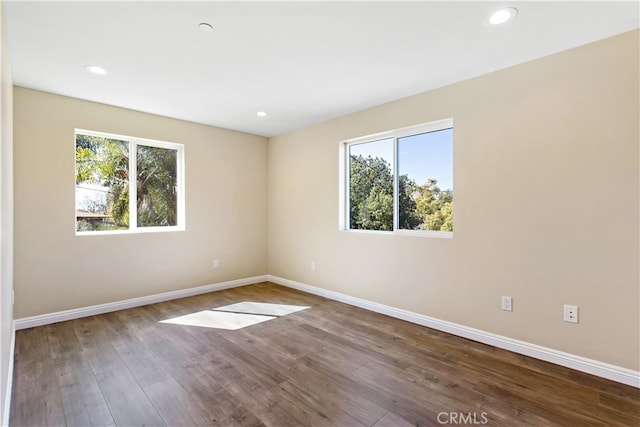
x,y
204,27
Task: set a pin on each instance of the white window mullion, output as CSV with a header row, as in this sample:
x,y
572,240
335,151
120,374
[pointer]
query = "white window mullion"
x,y
396,190
181,189
344,219
133,186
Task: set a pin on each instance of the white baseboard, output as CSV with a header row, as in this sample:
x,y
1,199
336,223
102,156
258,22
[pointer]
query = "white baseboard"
x,y
8,390
61,316
579,363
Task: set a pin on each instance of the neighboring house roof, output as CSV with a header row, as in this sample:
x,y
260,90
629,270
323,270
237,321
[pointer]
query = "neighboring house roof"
x,y
89,215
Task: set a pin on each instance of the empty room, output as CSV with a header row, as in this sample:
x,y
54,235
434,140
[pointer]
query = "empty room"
x,y
324,213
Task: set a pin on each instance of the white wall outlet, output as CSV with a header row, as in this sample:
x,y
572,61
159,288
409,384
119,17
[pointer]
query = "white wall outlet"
x,y
313,266
216,263
507,304
571,313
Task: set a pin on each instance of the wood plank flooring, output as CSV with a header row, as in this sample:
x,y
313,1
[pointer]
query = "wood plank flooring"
x,y
329,365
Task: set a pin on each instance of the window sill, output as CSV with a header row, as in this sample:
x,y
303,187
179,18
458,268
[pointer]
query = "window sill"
x,y
137,231
409,233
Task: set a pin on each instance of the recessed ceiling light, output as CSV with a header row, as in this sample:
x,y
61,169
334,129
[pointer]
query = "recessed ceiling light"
x,y
95,69
207,28
261,114
503,15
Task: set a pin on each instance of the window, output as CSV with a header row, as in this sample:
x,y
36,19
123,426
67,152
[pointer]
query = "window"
x,y
400,181
108,200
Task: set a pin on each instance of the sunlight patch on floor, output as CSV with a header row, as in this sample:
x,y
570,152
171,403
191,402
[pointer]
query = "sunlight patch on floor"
x,y
218,320
263,308
235,316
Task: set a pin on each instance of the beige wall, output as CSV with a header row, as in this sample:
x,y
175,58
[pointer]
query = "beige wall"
x,y
546,205
546,170
55,270
6,216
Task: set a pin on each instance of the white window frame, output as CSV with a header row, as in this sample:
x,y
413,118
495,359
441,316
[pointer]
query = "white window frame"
x,y
134,142
344,173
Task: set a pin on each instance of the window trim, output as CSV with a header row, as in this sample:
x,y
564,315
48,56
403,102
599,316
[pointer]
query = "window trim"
x,y
134,142
344,173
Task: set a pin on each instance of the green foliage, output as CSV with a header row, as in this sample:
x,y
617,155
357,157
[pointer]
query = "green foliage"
x,y
378,210
157,196
441,219
371,194
421,207
435,206
84,225
408,217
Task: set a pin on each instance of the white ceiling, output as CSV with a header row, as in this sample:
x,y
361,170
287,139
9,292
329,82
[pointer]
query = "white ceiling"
x,y
302,62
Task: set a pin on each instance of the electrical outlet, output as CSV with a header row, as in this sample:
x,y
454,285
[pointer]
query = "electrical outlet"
x,y
216,263
507,303
313,266
571,313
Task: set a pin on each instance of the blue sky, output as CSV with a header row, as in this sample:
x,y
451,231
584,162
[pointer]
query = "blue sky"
x,y
422,156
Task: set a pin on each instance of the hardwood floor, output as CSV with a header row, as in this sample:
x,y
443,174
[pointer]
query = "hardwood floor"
x,y
329,365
